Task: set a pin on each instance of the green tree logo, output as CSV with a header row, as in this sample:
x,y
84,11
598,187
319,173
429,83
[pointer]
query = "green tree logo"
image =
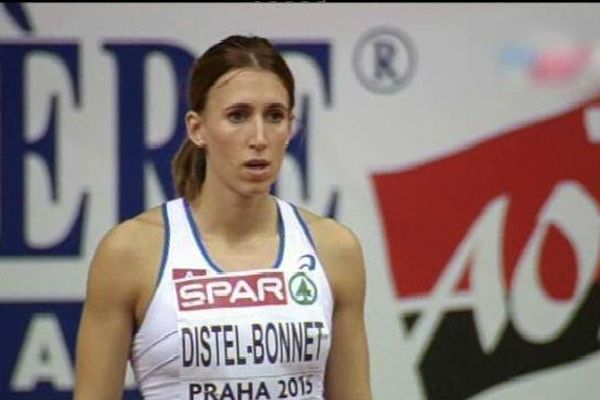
x,y
302,289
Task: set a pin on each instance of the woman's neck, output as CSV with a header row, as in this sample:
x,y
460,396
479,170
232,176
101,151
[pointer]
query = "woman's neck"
x,y
234,217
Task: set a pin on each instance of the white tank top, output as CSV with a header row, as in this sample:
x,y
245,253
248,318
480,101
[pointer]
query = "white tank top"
x,y
252,335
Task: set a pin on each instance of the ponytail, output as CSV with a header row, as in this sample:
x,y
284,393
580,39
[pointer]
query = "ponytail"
x,y
188,169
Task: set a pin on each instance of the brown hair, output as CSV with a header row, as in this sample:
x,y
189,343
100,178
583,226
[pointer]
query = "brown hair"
x,y
189,163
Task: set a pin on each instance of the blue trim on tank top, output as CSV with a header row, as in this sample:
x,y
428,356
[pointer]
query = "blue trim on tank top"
x,y
166,242
163,261
304,226
204,251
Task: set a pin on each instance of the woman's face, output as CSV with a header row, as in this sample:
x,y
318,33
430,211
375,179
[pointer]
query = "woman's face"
x,y
244,129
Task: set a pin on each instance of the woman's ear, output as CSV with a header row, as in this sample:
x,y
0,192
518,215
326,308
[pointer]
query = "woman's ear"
x,y
195,129
291,129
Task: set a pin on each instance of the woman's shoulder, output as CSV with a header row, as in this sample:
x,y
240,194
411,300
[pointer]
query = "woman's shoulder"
x,y
124,259
331,236
340,251
133,237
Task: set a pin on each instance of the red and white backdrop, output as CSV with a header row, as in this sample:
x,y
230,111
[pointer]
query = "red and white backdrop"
x,y
460,142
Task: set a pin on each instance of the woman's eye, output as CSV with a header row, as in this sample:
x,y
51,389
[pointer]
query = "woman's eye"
x,y
237,116
275,116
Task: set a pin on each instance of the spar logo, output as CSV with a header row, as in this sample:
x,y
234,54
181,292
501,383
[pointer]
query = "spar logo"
x,y
302,289
197,292
494,252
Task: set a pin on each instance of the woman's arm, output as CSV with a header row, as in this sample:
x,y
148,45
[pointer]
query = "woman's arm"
x,y
347,376
107,322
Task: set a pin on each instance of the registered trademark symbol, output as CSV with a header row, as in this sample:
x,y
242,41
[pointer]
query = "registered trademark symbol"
x,y
384,60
